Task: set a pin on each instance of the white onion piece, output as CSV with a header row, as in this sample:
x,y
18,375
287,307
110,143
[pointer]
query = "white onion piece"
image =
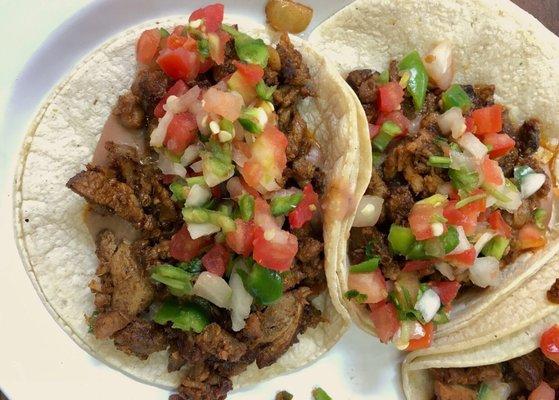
x,y
190,154
483,240
446,270
453,122
499,390
460,161
463,243
241,301
439,65
514,196
197,166
183,103
168,167
368,211
472,145
485,272
214,289
198,230
197,196
158,134
428,304
444,188
531,184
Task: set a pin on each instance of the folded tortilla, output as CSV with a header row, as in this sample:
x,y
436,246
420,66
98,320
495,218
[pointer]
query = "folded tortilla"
x,y
54,243
494,42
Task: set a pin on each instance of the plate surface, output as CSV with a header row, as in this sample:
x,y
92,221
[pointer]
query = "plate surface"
x,y
38,359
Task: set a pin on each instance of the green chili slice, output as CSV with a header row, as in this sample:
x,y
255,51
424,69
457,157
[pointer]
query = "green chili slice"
x,y
496,247
175,278
264,91
400,239
246,206
320,394
250,50
265,285
282,205
439,162
366,266
540,216
463,179
188,317
388,131
455,96
417,84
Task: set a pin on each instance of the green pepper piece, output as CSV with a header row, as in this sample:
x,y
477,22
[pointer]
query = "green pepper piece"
x,y
265,285
455,96
195,180
175,278
440,317
388,131
226,125
203,46
450,239
417,84
177,189
439,162
378,159
493,191
463,179
400,239
365,266
252,51
226,208
540,216
246,206
355,295
188,317
264,91
496,247
282,205
434,248
251,118
193,266
320,394
417,252
384,77
198,215
434,200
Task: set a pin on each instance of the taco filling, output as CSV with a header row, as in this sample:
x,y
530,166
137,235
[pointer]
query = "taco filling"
x,y
213,173
458,191
532,376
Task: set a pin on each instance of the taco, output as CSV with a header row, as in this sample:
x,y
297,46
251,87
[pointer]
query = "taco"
x,y
459,209
210,155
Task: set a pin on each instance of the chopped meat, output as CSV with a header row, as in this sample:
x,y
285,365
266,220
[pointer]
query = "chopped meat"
x,y
295,131
370,236
220,72
150,87
467,376
148,255
106,246
107,323
431,123
357,77
371,112
553,293
551,372
529,369
284,395
253,327
205,386
398,204
219,343
129,111
453,392
309,249
140,338
286,96
293,69
303,171
393,71
509,161
481,95
377,187
368,90
528,137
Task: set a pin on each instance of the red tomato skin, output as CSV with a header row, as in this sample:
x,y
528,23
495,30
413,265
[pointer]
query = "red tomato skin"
x,y
421,218
500,143
398,118
466,258
488,119
147,46
206,65
177,40
385,320
459,217
447,290
251,73
184,248
212,16
470,125
391,96
549,343
273,255
179,63
371,284
498,224
542,392
181,132
305,209
492,172
411,266
240,240
216,259
178,89
530,237
425,341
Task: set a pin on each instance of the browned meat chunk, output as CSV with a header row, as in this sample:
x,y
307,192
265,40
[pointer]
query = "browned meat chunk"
x,y
453,392
107,323
368,90
213,387
509,161
528,137
129,111
467,376
529,369
150,87
309,249
377,187
284,395
140,338
293,69
295,131
553,293
398,204
393,71
219,343
551,373
481,95
360,238
303,171
357,77
219,72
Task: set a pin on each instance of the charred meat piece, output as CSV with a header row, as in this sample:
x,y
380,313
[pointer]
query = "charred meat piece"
x,y
309,249
150,87
399,203
529,369
481,95
509,161
204,385
453,392
357,77
129,111
221,344
377,186
107,323
293,70
467,376
140,338
528,137
361,238
553,293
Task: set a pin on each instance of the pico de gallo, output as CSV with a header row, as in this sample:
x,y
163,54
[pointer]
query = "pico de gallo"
x,y
534,376
225,200
457,193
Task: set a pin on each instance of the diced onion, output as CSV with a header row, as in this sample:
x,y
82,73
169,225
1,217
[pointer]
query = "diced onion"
x,y
453,122
444,188
190,154
197,196
428,304
531,184
168,167
463,243
437,229
408,330
460,161
483,240
446,270
499,390
198,230
368,211
472,145
241,301
485,272
439,65
158,134
183,103
509,190
214,289
197,166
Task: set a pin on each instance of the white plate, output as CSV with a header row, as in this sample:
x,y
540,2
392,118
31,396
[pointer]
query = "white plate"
x,y
38,360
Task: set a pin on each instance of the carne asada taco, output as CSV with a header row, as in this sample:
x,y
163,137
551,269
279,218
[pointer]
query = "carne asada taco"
x,y
458,212
224,152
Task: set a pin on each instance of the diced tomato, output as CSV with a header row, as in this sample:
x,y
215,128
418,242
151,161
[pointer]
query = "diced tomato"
x,y
178,89
500,143
391,96
251,72
492,172
179,63
447,290
225,104
181,132
466,258
206,65
549,343
184,248
475,207
488,119
542,392
305,209
373,130
147,46
453,194
385,320
425,341
215,260
470,125
217,41
530,237
412,266
177,40
240,240
212,16
398,118
371,284
498,224
466,217
421,218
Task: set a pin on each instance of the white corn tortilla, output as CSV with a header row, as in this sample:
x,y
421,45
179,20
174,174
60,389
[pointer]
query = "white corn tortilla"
x,y
494,42
54,243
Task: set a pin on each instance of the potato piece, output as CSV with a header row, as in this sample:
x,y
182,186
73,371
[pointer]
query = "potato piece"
x,y
288,16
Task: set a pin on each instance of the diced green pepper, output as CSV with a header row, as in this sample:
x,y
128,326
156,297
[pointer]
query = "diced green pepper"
x,y
356,296
252,51
455,96
366,266
203,48
264,91
417,252
434,248
384,77
282,205
496,247
417,84
439,162
178,191
463,179
265,285
450,239
246,206
388,131
434,200
175,278
251,119
193,266
320,394
195,180
378,159
226,125
198,215
440,317
540,216
400,239
188,317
